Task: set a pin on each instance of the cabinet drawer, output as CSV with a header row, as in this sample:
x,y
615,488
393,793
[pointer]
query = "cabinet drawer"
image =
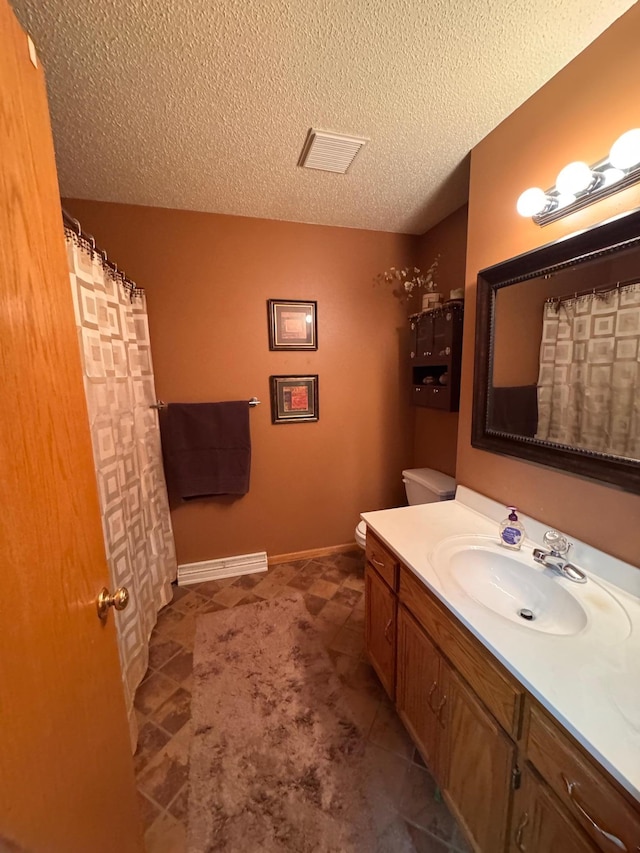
x,y
433,396
383,561
603,811
499,692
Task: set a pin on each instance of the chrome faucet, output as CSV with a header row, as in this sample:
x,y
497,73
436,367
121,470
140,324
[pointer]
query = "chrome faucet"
x,y
556,557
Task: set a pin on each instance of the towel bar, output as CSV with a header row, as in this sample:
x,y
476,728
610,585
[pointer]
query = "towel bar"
x,y
160,404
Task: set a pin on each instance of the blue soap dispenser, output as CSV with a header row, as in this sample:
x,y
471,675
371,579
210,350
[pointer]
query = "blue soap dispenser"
x,y
512,532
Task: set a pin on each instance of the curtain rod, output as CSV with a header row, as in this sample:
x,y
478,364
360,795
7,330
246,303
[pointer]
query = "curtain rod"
x,y
160,404
595,291
89,243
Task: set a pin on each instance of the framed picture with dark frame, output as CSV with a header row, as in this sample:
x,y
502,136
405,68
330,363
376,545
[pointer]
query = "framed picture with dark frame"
x,y
294,399
292,324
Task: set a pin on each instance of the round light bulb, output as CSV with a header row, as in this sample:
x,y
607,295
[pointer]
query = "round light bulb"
x,y
611,176
625,151
531,202
574,178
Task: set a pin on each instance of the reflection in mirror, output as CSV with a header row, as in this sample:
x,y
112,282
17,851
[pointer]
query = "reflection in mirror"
x,y
558,354
568,371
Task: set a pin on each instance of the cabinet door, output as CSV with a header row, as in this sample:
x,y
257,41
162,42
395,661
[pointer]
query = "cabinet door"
x,y
380,628
424,337
413,338
476,761
418,691
442,332
540,824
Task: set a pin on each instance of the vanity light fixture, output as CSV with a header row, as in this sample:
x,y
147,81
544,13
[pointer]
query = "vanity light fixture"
x,y
579,184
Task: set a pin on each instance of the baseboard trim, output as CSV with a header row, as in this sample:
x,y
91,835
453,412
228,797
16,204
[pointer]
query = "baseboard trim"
x,y
224,567
314,552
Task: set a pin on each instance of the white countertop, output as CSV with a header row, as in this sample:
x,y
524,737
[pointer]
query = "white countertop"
x,y
590,684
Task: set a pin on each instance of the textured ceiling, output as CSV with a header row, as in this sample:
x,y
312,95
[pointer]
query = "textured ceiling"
x,y
205,104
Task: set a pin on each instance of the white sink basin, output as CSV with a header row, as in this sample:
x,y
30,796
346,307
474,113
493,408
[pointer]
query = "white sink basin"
x,y
516,588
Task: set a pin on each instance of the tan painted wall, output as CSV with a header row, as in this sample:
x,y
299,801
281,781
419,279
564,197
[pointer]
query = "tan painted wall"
x,y
436,432
518,330
577,115
207,279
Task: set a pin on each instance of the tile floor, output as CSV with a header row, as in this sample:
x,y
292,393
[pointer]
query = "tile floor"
x,y
333,588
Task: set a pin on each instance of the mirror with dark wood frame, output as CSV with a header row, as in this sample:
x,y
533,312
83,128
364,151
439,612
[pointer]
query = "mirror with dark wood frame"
x,y
557,355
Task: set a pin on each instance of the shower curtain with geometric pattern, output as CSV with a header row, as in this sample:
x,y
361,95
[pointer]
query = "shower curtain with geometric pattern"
x,y
119,386
589,380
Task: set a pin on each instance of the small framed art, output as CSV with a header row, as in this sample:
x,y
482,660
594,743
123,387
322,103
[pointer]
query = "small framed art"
x,y
292,324
294,399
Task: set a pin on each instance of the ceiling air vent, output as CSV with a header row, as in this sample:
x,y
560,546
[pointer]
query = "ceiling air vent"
x,y
331,152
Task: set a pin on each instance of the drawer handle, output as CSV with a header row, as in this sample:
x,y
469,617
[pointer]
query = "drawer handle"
x,y
581,809
440,708
524,820
386,630
377,562
430,704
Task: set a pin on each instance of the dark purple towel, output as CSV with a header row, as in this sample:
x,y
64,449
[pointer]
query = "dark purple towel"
x,y
514,410
206,448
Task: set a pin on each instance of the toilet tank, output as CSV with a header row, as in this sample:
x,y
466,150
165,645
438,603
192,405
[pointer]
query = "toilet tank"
x,y
425,486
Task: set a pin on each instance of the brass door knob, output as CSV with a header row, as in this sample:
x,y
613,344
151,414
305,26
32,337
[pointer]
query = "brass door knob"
x,y
118,600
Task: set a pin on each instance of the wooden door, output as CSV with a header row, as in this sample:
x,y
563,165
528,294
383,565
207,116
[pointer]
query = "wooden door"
x,y
476,760
380,628
419,698
66,773
540,824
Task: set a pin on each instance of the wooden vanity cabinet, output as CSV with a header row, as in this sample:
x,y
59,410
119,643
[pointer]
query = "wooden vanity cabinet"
x,y
477,761
494,686
420,699
512,776
603,810
540,824
380,628
380,616
461,742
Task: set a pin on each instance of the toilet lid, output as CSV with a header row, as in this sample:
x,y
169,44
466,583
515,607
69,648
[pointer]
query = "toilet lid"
x,y
362,528
440,484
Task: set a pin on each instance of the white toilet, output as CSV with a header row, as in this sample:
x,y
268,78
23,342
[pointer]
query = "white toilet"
x,y
423,486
